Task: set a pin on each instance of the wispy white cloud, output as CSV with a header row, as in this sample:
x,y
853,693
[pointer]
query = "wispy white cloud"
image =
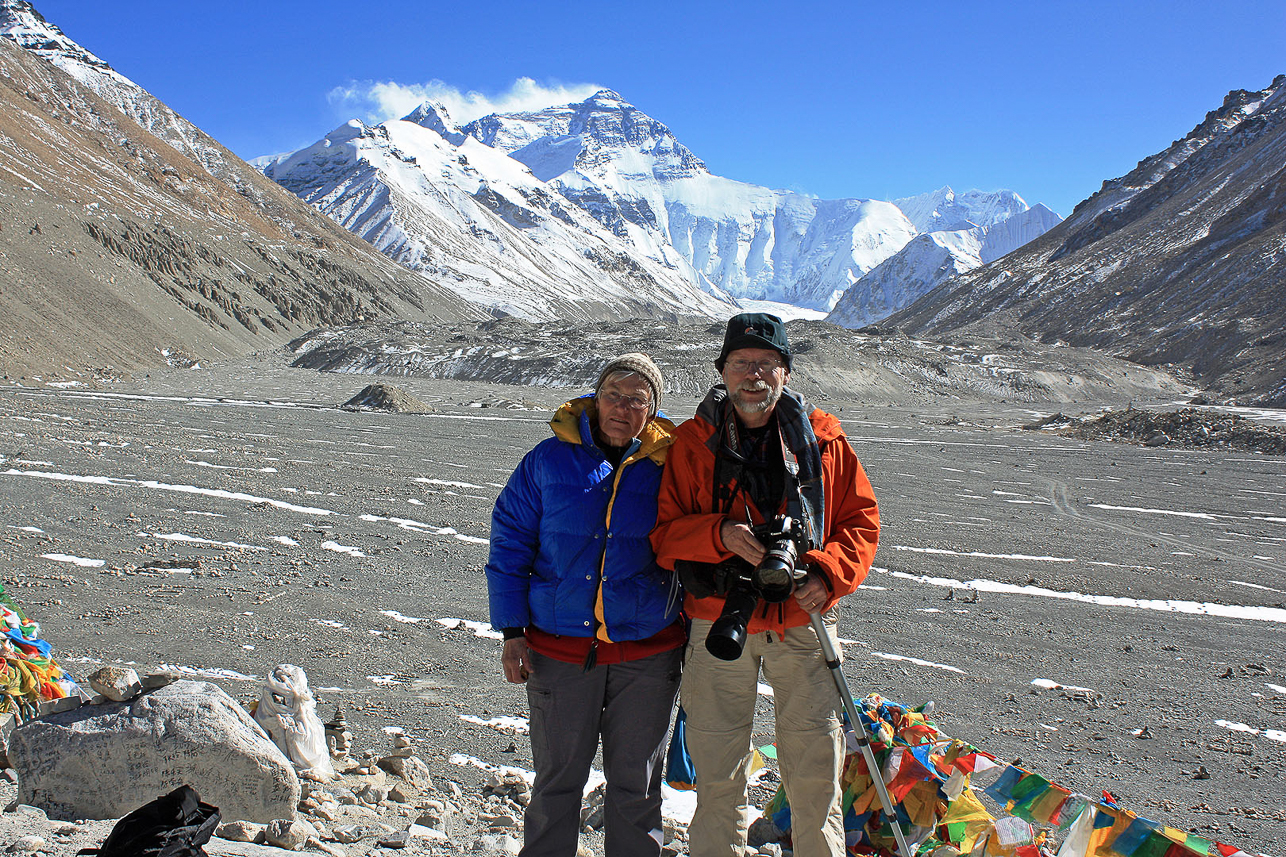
x,y
377,101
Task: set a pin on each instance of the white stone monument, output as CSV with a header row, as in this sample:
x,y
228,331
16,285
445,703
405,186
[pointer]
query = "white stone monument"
x,y
287,711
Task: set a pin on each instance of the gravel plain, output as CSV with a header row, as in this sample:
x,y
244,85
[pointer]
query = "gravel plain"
x,y
1111,615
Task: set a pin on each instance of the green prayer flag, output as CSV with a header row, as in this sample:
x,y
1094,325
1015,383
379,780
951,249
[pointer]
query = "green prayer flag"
x,y
1198,844
1155,845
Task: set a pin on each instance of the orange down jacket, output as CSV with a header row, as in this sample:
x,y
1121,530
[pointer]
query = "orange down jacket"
x,y
688,525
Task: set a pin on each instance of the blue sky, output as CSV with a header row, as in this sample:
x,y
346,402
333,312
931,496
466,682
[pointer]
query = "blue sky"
x,y
877,100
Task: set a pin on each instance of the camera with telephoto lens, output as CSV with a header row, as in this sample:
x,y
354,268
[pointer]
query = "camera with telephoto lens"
x,y
772,580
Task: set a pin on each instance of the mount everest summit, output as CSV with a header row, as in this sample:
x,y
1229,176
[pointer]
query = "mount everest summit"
x,y
596,208
469,216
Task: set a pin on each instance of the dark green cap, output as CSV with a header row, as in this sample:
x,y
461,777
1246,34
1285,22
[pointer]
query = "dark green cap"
x,y
754,330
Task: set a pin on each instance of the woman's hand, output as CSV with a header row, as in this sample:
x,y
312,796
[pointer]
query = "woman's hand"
x,y
516,660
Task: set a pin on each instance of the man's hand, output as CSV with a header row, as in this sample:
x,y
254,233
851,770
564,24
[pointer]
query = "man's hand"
x,y
516,660
739,539
812,593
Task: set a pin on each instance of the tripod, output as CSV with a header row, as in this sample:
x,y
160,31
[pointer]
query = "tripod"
x,y
859,731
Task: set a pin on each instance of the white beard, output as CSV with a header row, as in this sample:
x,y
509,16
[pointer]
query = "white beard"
x,y
746,407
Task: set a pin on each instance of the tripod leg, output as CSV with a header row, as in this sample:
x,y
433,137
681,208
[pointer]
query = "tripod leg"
x,y
859,732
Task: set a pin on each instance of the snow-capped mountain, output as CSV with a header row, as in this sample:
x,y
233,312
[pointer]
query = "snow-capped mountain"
x,y
1182,260
21,23
1005,236
933,257
896,282
444,203
945,210
601,170
629,171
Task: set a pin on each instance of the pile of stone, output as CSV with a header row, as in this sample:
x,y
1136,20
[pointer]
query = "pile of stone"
x,y
388,801
1186,427
139,738
386,397
74,772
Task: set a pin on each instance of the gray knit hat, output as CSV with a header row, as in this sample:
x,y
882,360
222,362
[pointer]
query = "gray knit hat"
x,y
641,365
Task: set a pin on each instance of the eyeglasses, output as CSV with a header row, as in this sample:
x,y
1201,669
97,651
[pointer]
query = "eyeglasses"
x,y
765,367
634,403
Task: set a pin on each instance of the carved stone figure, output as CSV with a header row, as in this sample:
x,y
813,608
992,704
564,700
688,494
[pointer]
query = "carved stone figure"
x,y
287,711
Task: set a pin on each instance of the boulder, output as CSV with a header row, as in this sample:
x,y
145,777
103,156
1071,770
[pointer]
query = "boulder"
x,y
240,831
103,761
410,768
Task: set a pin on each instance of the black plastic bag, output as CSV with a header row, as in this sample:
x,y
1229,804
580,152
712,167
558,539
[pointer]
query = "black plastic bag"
x,y
173,825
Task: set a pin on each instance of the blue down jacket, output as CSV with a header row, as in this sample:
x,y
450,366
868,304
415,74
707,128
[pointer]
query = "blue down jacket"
x,y
569,536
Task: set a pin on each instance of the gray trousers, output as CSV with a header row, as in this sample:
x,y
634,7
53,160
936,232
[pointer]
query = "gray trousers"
x,y
629,706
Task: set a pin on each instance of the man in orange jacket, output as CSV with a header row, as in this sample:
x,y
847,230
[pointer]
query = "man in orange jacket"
x,y
755,450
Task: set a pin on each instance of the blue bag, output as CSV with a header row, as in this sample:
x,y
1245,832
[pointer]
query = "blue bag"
x,y
679,772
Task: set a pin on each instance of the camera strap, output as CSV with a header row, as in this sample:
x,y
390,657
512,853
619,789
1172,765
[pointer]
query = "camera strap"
x,y
748,461
727,472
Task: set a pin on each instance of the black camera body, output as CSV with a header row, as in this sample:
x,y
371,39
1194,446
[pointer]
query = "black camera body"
x,y
773,580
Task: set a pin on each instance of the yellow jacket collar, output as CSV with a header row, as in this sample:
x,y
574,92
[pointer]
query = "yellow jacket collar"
x,y
574,422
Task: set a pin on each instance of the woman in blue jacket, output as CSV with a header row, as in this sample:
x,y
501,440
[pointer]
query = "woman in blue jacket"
x,y
590,621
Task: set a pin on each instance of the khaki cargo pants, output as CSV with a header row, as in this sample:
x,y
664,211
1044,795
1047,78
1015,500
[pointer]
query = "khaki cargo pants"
x,y
719,698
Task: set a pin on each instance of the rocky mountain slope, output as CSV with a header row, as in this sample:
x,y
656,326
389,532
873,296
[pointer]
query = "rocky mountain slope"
x,y
1181,261
833,364
128,237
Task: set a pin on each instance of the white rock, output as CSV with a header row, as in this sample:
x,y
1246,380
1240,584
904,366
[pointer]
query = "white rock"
x,y
396,839
105,761
503,821
373,794
290,834
421,832
503,844
349,833
409,768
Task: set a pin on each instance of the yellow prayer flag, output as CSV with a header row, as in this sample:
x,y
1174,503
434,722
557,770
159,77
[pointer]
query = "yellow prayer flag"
x,y
967,807
921,803
1101,840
